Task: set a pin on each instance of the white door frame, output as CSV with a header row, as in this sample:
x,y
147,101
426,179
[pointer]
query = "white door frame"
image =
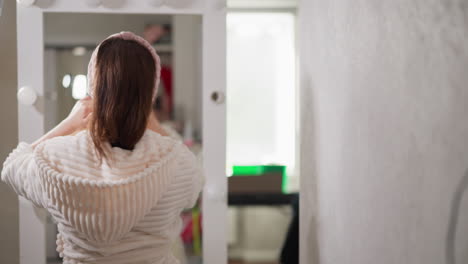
x,y
31,118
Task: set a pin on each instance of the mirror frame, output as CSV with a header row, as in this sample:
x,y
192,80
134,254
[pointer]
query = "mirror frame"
x,y
30,37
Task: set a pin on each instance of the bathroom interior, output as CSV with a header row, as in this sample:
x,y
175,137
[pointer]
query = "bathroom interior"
x,y
357,108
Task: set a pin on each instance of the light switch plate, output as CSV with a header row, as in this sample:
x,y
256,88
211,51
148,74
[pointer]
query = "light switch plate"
x,y
1,7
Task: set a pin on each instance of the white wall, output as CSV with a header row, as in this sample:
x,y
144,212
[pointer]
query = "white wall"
x,y
9,247
385,130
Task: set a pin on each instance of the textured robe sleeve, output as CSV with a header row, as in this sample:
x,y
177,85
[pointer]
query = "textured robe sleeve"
x,y
198,182
21,173
193,169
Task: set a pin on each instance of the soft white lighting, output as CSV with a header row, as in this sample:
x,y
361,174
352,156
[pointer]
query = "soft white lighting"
x,y
79,87
229,171
26,95
79,51
66,81
268,77
26,2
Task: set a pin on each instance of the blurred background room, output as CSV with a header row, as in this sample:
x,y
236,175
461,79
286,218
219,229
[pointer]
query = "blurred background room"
x,y
357,107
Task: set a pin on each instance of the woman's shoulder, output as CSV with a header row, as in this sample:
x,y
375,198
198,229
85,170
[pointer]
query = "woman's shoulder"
x,y
76,156
76,143
153,142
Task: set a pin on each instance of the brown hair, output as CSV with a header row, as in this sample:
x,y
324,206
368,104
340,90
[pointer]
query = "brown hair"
x,y
122,94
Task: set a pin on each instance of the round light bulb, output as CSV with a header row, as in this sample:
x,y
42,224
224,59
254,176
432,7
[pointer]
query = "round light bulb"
x,y
79,51
66,80
26,2
26,95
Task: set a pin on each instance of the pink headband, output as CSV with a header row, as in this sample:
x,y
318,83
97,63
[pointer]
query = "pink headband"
x,y
127,36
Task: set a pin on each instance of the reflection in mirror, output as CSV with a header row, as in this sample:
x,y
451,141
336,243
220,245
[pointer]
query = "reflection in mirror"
x,y
262,166
70,39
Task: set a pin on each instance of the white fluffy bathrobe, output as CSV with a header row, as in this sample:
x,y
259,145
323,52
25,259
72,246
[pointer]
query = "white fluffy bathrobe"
x,y
124,212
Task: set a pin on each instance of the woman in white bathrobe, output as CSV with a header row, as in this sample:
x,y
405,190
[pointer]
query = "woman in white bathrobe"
x,y
111,178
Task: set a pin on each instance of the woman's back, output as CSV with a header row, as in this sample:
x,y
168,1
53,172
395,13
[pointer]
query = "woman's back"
x,y
116,188
125,212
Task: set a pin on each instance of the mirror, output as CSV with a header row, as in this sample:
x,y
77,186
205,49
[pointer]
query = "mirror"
x,y
261,141
70,38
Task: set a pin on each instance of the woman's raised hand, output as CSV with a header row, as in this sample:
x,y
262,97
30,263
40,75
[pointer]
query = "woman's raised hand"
x,y
80,115
77,120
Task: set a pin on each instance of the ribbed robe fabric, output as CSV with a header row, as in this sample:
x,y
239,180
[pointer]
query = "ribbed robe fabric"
x,y
123,211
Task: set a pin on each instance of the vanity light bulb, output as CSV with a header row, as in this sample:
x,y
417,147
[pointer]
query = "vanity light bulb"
x,y
79,51
26,2
66,80
26,95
